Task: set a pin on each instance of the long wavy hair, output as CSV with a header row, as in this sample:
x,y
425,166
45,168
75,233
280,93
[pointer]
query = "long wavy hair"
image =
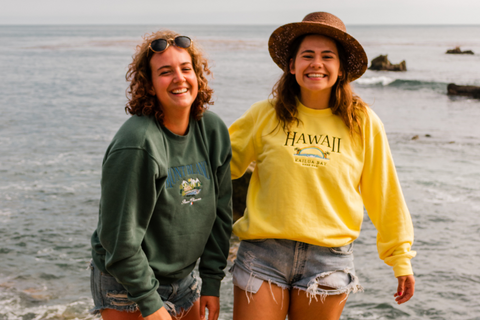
x,y
343,101
141,101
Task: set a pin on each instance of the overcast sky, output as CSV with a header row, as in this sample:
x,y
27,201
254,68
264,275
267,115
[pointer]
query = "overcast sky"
x,y
236,12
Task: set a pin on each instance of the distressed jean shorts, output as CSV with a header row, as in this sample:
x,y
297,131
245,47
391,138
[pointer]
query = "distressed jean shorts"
x,y
295,265
178,297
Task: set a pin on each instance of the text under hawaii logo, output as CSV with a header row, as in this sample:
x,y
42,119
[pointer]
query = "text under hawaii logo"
x,y
311,156
189,189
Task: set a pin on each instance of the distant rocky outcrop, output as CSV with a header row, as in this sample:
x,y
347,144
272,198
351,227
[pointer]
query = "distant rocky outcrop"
x,y
469,91
240,187
381,63
458,51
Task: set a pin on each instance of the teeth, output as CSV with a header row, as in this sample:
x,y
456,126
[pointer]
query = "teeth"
x,y
316,75
180,90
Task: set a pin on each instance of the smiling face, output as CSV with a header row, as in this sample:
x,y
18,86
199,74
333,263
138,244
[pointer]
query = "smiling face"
x,y
316,66
174,80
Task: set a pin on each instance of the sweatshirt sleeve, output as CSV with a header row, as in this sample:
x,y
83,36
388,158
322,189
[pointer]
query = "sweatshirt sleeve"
x,y
214,257
242,133
385,204
129,191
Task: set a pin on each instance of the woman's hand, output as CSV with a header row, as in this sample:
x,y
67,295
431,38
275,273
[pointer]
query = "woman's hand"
x,y
405,290
160,314
212,303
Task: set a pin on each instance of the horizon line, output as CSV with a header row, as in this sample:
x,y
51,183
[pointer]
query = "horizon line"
x,y
228,24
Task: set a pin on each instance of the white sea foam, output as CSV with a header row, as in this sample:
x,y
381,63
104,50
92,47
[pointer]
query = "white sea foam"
x,y
5,215
384,81
72,311
5,212
12,305
439,197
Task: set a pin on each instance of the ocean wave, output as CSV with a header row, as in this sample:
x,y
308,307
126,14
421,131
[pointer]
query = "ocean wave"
x,y
403,84
14,308
19,301
384,81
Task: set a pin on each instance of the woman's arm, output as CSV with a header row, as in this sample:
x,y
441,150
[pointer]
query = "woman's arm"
x,y
129,193
214,257
242,133
384,201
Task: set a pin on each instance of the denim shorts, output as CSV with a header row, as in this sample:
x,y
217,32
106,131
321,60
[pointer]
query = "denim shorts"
x,y
295,265
107,293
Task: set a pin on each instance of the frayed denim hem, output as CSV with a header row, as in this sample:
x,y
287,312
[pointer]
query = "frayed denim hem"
x,y
179,311
317,271
313,290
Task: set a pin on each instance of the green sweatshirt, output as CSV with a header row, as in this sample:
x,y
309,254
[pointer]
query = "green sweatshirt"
x,y
166,201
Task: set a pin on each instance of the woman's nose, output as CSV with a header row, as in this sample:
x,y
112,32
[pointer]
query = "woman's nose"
x,y
317,63
178,76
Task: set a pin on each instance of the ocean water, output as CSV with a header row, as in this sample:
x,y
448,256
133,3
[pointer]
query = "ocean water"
x,y
62,97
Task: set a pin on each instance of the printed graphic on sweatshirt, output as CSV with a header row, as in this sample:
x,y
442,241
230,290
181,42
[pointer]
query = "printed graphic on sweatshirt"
x,y
312,150
176,174
189,187
311,156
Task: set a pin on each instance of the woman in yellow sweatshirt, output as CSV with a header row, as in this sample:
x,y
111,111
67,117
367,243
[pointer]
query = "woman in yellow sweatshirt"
x,y
321,156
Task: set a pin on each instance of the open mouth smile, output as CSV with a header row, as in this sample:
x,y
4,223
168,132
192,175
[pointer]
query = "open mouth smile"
x,y
179,91
316,75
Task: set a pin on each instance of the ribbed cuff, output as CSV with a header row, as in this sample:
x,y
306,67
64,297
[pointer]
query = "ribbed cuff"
x,y
150,304
402,267
210,287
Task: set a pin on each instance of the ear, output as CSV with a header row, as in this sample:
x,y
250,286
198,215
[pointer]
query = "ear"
x,y
340,73
292,66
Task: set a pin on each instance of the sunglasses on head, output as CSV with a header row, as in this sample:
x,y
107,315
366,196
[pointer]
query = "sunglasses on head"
x,y
160,45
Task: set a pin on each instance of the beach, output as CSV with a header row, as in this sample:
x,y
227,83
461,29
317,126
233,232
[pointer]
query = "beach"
x,y
63,98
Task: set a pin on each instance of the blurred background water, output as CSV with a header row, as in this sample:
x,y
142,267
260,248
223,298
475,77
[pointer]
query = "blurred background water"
x,y
62,98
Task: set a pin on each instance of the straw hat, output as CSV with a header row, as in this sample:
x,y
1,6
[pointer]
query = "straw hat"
x,y
322,23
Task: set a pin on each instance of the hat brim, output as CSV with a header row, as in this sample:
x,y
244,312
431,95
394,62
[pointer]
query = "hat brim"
x,y
283,37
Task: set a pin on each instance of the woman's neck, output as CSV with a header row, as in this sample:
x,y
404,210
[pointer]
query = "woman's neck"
x,y
177,121
315,100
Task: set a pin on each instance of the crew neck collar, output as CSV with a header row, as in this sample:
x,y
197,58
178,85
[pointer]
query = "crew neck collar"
x,y
317,112
177,137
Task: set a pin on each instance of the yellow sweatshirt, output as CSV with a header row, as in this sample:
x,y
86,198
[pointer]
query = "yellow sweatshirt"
x,y
312,183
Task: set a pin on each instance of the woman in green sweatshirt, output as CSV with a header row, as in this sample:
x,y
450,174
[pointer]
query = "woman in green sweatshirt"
x,y
166,192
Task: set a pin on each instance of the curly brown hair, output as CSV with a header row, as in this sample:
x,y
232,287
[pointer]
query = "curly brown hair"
x,y
141,101
343,101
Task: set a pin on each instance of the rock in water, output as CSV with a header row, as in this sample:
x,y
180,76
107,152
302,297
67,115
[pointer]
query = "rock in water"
x,y
469,91
381,63
458,51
